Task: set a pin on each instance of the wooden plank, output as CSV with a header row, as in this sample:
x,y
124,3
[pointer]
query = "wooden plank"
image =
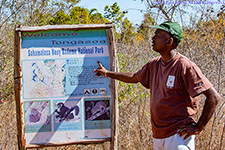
x,y
72,143
17,89
64,27
111,88
114,101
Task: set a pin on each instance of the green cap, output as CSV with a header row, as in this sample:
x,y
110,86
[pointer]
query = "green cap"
x,y
173,28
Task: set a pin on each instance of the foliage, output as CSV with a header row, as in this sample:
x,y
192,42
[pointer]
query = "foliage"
x,y
60,18
124,30
128,34
113,14
144,30
78,15
96,17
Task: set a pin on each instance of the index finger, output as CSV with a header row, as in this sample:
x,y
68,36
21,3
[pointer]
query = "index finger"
x,y
100,65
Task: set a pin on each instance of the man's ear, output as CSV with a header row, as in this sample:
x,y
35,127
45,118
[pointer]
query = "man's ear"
x,y
170,41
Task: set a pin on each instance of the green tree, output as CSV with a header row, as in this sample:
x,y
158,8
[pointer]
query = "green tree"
x,y
60,18
128,33
114,15
79,16
96,17
144,30
124,30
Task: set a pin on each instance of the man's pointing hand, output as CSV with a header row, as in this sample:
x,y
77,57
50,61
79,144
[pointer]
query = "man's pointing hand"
x,y
101,70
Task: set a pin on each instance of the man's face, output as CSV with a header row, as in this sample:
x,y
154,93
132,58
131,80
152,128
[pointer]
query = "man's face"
x,y
160,40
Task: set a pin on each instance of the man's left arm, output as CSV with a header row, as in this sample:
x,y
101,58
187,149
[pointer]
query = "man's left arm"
x,y
212,98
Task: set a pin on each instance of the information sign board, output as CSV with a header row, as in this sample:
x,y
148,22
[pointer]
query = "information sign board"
x,y
59,98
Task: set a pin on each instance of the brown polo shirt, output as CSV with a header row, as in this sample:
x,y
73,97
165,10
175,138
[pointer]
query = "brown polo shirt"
x,y
172,85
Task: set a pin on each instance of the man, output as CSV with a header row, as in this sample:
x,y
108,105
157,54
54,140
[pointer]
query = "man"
x,y
174,82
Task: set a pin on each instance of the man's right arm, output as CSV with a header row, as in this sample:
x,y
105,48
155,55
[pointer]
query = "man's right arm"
x,y
125,77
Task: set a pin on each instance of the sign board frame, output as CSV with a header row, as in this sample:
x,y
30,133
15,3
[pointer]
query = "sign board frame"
x,y
20,74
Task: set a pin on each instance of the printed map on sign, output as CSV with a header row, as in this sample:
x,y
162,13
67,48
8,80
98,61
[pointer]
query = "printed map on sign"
x,y
63,78
46,78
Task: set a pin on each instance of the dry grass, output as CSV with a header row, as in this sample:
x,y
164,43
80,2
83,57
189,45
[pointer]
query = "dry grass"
x,y
8,129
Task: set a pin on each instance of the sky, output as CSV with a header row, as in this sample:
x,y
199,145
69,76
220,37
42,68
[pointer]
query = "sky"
x,y
135,8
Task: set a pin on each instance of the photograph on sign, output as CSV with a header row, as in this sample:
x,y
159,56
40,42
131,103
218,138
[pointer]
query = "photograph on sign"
x,y
37,115
97,117
97,110
67,115
62,99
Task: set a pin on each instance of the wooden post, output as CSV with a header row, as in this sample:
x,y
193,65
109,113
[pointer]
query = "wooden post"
x,y
17,87
114,102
